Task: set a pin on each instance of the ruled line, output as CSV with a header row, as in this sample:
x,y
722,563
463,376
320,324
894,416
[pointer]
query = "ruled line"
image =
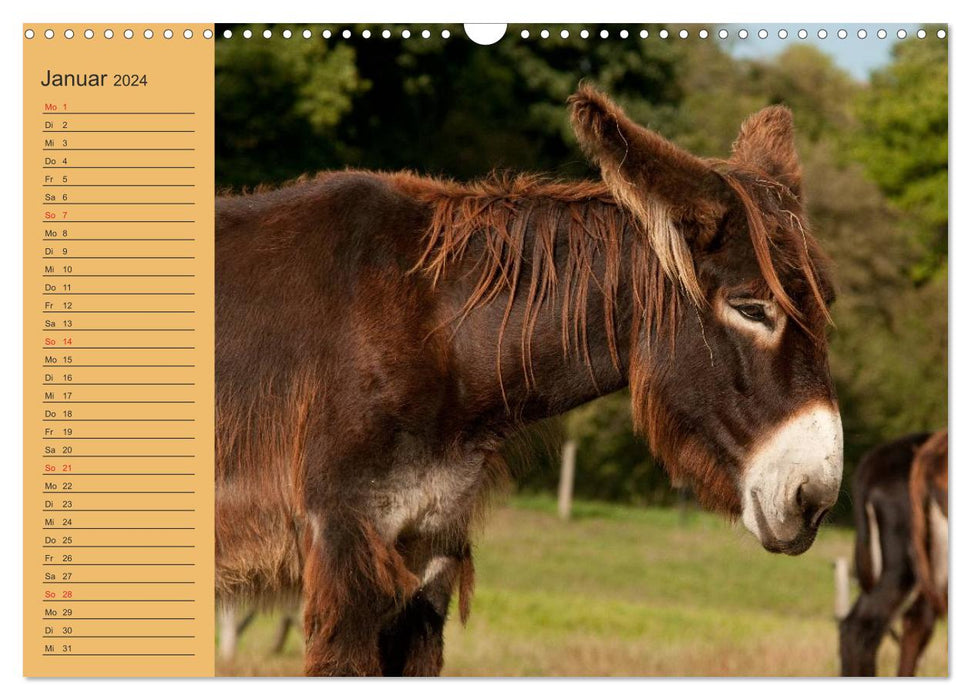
x,y
118,131
58,114
72,564
119,636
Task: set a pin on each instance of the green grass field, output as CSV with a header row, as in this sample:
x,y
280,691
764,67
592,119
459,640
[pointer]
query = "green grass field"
x,y
621,591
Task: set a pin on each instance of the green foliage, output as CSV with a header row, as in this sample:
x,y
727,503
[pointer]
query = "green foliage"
x,y
278,104
612,463
875,180
903,142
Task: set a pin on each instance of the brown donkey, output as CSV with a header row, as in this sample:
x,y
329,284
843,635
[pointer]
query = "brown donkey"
x,y
379,336
900,509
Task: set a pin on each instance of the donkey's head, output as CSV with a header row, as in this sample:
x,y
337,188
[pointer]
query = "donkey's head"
x,y
729,372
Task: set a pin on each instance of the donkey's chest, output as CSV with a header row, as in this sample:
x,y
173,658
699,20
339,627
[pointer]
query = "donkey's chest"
x,y
421,495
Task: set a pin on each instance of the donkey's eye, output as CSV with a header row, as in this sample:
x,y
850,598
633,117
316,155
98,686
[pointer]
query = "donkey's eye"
x,y
753,312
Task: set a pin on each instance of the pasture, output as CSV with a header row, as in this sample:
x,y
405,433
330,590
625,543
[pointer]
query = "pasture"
x,y
621,591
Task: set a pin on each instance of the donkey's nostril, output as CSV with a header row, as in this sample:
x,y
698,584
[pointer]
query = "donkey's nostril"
x,y
812,510
818,518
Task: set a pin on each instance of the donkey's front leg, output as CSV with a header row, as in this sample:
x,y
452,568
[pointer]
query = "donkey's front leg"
x,y
412,644
354,583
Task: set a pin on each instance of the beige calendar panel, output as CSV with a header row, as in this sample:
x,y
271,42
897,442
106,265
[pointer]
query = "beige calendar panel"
x,y
118,347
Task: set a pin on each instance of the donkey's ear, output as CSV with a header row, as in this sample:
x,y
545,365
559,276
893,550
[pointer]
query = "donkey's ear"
x,y
678,198
642,167
767,141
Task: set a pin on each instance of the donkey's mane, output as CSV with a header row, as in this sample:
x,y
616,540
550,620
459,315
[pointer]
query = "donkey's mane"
x,y
490,219
506,220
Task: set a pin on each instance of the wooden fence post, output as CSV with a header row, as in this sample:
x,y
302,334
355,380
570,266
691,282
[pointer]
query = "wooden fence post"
x,y
567,468
227,631
841,575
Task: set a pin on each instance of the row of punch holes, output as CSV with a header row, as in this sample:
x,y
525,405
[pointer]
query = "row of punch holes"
x,y
584,34
127,33
525,34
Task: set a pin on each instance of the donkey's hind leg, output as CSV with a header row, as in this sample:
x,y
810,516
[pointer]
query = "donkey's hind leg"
x,y
918,628
862,630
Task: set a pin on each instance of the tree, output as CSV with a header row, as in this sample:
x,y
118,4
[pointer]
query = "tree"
x,y
278,105
903,142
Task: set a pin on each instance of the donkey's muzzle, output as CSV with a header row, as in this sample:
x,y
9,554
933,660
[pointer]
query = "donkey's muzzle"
x,y
792,479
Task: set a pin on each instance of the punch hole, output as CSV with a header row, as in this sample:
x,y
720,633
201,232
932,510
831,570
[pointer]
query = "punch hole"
x,y
366,34
287,34
584,34
267,33
663,33
644,34
188,33
446,34
901,33
683,34
405,33
68,33
49,33
148,33
247,33
564,34
802,33
624,34
386,34
227,34
168,34
326,34
29,34
921,33
861,34
425,34
881,33
524,34
307,33
722,33
207,33
346,33
742,34
604,34
129,33
941,34
545,34
822,34
109,33
485,34
783,34
763,34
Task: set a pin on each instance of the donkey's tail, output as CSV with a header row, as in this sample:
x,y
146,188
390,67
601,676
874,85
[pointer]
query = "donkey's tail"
x,y
928,459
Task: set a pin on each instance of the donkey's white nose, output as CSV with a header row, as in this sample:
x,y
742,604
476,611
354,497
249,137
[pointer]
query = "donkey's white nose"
x,y
792,479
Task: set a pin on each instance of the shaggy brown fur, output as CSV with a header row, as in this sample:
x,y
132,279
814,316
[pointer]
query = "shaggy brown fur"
x,y
928,484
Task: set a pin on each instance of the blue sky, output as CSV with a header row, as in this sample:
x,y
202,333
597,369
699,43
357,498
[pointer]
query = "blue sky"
x,y
857,56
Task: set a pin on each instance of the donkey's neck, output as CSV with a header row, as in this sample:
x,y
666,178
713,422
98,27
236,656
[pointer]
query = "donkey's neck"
x,y
543,294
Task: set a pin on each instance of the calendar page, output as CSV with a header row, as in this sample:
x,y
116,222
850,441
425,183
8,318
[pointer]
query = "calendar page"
x,y
543,350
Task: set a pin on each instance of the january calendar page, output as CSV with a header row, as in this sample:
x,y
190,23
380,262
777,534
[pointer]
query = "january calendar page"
x,y
485,350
